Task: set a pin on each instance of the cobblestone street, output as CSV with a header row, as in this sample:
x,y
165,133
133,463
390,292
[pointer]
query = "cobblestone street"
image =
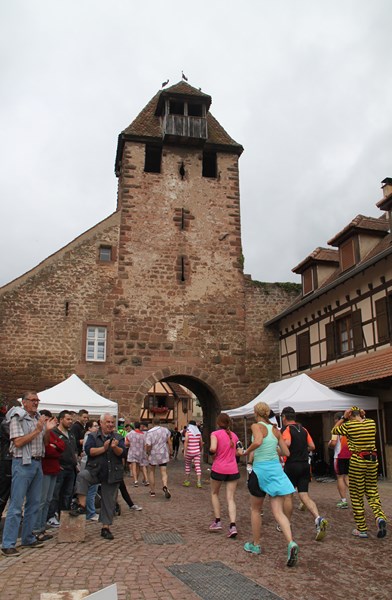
x,y
340,567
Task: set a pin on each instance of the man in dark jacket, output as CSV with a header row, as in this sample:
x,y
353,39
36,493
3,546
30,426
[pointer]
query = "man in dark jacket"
x,y
65,482
78,429
105,451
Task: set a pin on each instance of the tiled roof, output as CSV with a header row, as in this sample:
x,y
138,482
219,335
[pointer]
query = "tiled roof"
x,y
147,124
377,226
360,369
321,255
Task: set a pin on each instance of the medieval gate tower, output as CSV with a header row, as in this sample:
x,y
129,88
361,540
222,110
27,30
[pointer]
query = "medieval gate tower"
x,y
162,277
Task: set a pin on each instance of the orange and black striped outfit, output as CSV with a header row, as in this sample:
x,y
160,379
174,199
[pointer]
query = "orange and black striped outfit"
x,y
363,470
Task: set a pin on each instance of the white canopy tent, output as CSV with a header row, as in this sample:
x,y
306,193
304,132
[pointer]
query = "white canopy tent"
x,y
304,395
74,394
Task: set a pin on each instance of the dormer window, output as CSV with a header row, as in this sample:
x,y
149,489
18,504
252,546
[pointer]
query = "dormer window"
x,y
347,254
308,281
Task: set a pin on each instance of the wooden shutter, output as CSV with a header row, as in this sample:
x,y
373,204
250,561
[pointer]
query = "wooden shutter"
x,y
307,281
303,350
382,320
356,323
347,256
330,340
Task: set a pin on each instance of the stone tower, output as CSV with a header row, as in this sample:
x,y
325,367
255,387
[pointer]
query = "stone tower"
x,y
156,291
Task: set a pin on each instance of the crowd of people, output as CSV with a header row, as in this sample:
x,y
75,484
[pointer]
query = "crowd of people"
x,y
53,464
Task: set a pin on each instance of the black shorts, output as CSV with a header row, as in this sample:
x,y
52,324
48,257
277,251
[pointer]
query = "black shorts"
x,y
341,466
253,486
224,477
299,475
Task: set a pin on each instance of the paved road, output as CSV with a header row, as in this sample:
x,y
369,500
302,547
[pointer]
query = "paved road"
x,y
340,567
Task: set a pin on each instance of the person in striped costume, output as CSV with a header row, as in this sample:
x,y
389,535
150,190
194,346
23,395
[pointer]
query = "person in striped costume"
x,y
363,469
192,452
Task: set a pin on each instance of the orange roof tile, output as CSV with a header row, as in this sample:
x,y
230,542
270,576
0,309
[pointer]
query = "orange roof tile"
x,y
377,226
359,369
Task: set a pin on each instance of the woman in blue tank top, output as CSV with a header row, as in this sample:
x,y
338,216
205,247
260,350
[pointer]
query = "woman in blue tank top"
x,y
269,478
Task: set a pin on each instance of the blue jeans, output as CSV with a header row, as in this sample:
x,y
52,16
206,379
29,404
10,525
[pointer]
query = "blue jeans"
x,y
26,484
48,483
90,501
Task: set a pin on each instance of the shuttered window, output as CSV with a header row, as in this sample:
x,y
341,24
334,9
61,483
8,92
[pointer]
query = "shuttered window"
x,y
383,319
356,322
347,255
388,422
307,281
330,340
303,350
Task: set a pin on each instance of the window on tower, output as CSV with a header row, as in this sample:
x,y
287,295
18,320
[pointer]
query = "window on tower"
x,y
153,159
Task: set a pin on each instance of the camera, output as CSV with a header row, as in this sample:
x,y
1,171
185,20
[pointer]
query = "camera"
x,y
239,445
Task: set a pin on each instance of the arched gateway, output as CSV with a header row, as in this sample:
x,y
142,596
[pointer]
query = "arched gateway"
x,y
156,291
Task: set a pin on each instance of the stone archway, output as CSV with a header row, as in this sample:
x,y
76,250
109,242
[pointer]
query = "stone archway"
x,y
207,390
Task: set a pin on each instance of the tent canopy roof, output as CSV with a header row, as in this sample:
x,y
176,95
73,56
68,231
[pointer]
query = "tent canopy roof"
x,y
74,394
304,395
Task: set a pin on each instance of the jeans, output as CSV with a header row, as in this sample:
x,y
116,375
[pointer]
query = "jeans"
x,y
48,485
26,484
63,491
90,501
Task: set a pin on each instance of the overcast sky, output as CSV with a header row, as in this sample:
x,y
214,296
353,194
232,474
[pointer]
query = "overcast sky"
x,y
304,85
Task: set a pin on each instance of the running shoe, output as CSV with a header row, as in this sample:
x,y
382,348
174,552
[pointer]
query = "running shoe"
x,y
135,484
301,507
135,507
94,518
360,534
215,526
78,510
382,527
342,504
198,484
186,483
252,548
53,522
321,529
152,494
292,554
232,531
166,492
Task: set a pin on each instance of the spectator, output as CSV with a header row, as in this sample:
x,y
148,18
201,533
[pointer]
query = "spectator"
x,y
176,438
63,490
91,515
5,463
78,428
28,434
50,468
105,451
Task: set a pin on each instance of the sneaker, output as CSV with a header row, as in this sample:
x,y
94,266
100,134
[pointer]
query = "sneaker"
x,y
44,537
278,528
10,552
232,531
53,522
301,507
342,504
77,511
252,548
292,554
107,534
186,483
152,494
93,518
321,529
135,507
36,544
166,492
146,483
136,484
215,526
382,527
360,534
198,485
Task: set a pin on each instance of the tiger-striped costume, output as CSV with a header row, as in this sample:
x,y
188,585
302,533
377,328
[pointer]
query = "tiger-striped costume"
x,y
363,470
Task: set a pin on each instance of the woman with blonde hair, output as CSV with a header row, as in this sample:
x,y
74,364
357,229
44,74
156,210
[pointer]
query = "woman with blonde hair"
x,y
223,446
269,478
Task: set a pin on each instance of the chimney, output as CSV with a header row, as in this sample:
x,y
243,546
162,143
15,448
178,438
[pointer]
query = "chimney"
x,y
386,186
